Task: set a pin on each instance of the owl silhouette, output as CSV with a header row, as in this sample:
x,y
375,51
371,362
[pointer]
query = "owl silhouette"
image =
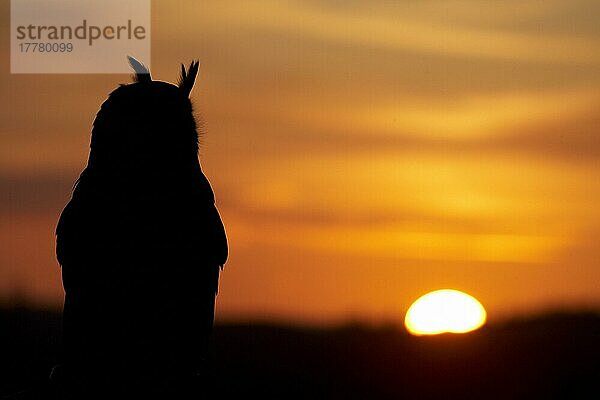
x,y
141,245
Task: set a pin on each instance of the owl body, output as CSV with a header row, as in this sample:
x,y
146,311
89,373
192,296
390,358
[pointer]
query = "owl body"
x,y
141,245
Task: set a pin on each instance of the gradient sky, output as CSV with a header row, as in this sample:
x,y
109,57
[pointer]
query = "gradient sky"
x,y
363,153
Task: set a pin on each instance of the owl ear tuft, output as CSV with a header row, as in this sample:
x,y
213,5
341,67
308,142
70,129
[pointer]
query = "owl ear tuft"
x,y
188,78
142,73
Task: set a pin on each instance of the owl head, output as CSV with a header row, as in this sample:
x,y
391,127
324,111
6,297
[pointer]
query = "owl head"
x,y
147,127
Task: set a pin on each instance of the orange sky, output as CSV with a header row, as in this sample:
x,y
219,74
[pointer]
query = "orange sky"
x,y
363,153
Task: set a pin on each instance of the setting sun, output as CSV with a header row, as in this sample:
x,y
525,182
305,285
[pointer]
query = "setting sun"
x,y
444,311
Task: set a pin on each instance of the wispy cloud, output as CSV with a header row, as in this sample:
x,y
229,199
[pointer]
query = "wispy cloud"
x,y
404,30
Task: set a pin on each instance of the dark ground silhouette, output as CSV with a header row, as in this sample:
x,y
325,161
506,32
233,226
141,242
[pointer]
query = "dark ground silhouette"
x,y
553,356
140,244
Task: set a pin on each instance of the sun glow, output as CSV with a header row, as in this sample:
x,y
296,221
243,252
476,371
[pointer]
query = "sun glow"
x,y
444,311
